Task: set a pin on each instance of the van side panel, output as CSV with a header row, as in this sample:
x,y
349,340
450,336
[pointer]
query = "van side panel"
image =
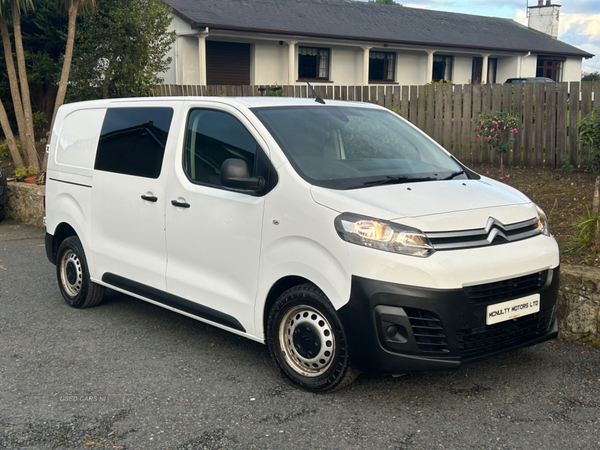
x,y
70,173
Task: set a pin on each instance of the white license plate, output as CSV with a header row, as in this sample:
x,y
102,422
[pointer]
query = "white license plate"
x,y
512,309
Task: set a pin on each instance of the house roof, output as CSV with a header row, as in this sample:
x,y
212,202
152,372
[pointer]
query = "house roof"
x,y
348,19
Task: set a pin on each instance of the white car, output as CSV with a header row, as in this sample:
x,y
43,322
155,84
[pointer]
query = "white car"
x,y
338,234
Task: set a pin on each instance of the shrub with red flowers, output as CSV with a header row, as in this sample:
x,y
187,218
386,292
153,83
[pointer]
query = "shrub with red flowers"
x,y
498,130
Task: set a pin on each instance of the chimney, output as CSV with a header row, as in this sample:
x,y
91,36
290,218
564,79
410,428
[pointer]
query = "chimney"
x,y
544,18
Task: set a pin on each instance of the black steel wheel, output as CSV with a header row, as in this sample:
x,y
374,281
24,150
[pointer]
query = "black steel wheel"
x,y
307,341
74,277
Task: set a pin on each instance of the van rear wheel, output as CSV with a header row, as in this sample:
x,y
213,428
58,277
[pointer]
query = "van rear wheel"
x,y
74,277
307,341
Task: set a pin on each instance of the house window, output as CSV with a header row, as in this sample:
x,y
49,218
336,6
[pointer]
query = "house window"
x,y
313,63
549,67
442,68
382,66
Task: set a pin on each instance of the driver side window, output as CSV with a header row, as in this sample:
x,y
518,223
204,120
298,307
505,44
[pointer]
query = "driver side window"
x,y
211,138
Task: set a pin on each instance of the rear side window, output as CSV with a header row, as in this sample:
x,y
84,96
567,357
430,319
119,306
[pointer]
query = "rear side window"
x,y
132,141
211,138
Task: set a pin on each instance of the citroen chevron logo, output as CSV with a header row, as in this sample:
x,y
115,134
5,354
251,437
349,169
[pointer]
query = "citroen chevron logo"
x,y
494,229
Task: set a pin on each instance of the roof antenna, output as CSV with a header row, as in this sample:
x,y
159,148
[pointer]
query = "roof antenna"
x,y
318,98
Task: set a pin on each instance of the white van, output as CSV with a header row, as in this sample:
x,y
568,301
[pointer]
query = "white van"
x,y
338,234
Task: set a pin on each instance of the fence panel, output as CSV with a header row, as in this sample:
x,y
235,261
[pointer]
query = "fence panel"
x,y
518,111
550,159
586,106
486,106
439,108
430,123
466,131
448,117
538,137
456,122
527,124
404,101
548,132
475,141
573,123
412,115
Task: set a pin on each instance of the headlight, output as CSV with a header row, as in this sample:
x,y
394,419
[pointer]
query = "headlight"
x,y
542,222
382,235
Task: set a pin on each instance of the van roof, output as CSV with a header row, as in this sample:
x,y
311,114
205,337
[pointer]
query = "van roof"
x,y
248,102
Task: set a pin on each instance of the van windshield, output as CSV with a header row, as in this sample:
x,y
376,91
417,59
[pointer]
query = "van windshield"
x,y
348,147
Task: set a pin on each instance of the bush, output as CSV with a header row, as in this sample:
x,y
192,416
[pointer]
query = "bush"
x,y
5,151
39,125
589,134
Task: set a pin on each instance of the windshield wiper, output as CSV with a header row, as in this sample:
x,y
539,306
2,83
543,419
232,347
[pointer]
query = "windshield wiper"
x,y
454,175
398,180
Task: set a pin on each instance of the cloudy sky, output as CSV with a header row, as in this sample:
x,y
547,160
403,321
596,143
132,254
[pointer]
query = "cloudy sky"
x,y
579,23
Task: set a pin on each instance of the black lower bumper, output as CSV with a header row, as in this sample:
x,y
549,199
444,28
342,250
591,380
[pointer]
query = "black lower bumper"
x,y
393,328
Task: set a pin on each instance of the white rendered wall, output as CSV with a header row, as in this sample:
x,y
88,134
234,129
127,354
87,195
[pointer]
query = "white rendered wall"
x,y
528,66
346,65
189,61
412,69
462,69
572,69
270,63
508,67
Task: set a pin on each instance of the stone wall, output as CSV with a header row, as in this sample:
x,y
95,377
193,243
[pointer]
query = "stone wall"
x,y
26,203
579,304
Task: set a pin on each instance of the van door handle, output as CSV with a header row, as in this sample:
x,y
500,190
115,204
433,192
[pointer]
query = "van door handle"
x,y
150,198
180,204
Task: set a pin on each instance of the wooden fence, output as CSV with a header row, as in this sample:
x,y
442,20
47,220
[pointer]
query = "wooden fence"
x,y
548,134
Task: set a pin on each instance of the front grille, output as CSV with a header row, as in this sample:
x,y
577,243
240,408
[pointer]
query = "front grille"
x,y
501,336
507,289
493,233
428,331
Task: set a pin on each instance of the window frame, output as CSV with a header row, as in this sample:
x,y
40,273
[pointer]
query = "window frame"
x,y
553,63
318,56
385,67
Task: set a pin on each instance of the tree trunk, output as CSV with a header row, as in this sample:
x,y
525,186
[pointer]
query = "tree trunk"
x,y
12,78
28,140
66,68
10,138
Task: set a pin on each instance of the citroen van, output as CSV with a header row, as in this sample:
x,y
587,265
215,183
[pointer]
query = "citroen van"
x,y
337,234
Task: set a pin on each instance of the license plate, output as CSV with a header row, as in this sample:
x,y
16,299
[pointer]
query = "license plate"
x,y
512,309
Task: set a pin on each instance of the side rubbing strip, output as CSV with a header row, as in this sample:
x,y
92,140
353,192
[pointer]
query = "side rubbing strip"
x,y
70,182
173,301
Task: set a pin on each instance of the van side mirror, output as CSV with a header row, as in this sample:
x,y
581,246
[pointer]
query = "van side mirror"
x,y
236,175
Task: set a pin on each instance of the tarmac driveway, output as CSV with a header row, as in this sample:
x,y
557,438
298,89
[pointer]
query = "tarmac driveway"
x,y
128,374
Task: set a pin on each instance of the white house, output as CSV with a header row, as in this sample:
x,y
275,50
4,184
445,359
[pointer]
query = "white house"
x,y
345,42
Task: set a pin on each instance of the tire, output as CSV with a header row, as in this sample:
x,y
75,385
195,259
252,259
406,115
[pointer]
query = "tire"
x,y
306,340
2,212
74,277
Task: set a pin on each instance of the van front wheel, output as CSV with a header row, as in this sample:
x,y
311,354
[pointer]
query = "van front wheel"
x,y
74,277
307,341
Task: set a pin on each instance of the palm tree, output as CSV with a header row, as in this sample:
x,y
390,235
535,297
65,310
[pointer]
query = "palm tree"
x,y
10,138
21,100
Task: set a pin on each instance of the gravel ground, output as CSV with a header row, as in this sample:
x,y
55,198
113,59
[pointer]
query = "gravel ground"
x,y
130,375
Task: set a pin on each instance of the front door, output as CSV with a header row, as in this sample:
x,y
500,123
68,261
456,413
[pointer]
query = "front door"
x,y
214,234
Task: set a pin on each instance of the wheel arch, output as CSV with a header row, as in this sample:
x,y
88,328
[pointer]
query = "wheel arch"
x,y
280,286
62,231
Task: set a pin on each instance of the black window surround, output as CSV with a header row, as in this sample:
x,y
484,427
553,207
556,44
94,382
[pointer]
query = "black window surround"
x,y
313,63
382,67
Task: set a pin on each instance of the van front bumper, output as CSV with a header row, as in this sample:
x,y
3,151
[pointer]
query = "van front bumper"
x,y
394,328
